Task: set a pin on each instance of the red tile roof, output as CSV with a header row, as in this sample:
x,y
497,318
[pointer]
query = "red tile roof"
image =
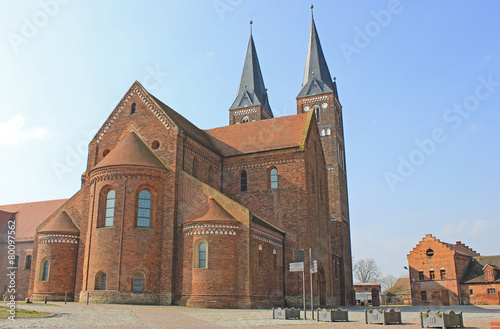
x,y
211,211
259,136
30,215
131,150
61,223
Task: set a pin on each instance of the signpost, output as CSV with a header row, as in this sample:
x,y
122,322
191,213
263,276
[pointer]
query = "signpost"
x,y
298,266
313,268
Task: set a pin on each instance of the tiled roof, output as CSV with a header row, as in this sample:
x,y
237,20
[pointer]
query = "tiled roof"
x,y
131,150
61,223
401,287
30,215
475,274
259,136
211,211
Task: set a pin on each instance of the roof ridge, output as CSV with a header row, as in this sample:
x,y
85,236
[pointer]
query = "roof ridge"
x,y
33,202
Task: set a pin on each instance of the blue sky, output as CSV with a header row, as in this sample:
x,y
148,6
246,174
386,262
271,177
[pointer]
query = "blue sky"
x,y
419,82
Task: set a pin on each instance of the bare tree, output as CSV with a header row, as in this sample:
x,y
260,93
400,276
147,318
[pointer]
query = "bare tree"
x,y
388,281
366,271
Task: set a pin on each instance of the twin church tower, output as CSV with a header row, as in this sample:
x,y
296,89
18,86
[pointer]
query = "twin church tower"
x,y
168,213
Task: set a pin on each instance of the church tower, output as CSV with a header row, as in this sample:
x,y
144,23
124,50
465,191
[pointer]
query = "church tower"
x,y
251,103
319,94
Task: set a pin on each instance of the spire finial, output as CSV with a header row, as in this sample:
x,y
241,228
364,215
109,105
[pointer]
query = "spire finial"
x,y
251,23
312,7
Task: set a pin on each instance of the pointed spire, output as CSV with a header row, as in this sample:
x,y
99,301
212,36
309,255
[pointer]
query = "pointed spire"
x,y
252,90
317,79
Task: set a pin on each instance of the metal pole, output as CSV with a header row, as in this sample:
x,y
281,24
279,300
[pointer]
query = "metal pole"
x,y
311,281
304,288
65,297
88,297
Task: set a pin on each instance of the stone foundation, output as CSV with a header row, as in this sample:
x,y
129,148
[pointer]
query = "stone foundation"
x,y
231,302
117,297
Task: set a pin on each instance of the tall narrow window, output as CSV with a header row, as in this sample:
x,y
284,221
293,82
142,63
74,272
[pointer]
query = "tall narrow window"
x,y
28,262
423,296
443,274
45,270
431,275
243,181
110,208
100,281
273,178
328,132
138,282
202,255
132,108
16,261
144,209
421,276
316,112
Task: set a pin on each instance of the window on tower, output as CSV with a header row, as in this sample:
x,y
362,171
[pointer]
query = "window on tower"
x,y
132,109
200,260
243,181
44,276
245,119
273,178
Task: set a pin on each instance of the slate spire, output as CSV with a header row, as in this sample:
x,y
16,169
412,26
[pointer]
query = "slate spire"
x,y
252,90
317,79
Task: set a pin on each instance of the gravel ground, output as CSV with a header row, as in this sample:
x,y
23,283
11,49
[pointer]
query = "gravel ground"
x,y
75,315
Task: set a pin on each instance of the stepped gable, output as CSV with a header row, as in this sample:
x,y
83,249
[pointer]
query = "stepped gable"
x,y
131,151
185,125
61,223
211,211
260,136
459,247
30,215
475,270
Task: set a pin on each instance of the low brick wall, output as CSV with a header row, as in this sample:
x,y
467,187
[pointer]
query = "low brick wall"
x,y
116,297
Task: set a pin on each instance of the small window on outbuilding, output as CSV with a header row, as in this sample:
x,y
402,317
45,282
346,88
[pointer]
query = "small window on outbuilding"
x,y
421,276
432,276
443,274
491,291
471,292
423,296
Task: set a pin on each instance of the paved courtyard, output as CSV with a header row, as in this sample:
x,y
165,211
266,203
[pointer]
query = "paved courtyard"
x,y
75,315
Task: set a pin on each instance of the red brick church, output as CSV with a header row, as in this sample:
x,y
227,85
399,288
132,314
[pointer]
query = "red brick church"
x,y
170,213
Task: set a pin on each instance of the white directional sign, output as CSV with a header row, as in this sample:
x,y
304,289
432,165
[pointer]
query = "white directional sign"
x,y
314,266
296,267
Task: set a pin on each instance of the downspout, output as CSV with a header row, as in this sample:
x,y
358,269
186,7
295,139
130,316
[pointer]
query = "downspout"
x,y
121,236
284,268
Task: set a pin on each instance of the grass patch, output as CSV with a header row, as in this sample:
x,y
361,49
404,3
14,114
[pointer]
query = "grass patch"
x,y
22,313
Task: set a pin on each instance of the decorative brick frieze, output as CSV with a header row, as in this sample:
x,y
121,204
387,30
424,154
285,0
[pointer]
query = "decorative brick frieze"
x,y
57,238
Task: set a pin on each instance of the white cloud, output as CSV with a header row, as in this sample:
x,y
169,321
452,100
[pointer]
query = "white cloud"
x,y
14,131
471,228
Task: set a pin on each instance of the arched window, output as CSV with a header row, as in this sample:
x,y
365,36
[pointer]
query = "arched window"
x,y
322,133
328,132
45,270
100,281
245,119
110,208
144,209
138,282
201,252
243,181
132,109
273,178
316,112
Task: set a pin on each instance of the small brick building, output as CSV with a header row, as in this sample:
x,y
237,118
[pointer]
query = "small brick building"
x,y
452,274
367,293
169,213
